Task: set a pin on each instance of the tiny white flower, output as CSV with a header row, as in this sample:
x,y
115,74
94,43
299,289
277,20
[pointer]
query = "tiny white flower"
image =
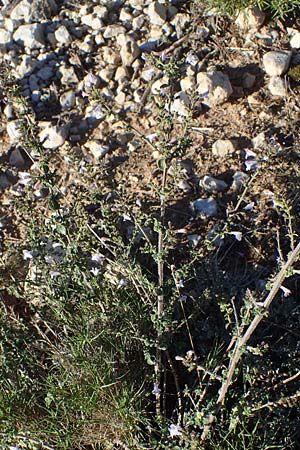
x,y
53,274
151,137
179,284
174,430
27,254
237,234
286,291
97,258
122,283
25,178
95,271
126,217
156,389
49,259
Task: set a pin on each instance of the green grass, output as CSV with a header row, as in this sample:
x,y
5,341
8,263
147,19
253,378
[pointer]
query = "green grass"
x,y
277,8
84,342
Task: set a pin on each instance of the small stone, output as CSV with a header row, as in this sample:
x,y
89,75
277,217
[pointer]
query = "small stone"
x,y
67,74
187,83
67,100
239,179
111,56
8,112
250,18
31,36
223,148
16,159
138,22
295,40
210,184
129,49
26,67
205,207
5,38
62,35
100,11
14,130
157,13
214,88
114,30
181,104
159,85
184,186
53,137
259,141
107,74
277,87
33,10
91,21
97,149
180,23
4,181
277,62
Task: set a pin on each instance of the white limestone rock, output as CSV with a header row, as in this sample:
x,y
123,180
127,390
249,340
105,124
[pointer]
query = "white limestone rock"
x,y
53,137
295,40
250,18
130,51
31,35
277,62
210,184
67,100
223,148
214,87
33,10
63,36
277,87
14,131
157,13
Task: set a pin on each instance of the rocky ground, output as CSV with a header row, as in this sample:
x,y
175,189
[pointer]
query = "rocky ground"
x,y
112,90
232,87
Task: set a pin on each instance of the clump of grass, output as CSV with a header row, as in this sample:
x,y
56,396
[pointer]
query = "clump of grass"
x,y
277,8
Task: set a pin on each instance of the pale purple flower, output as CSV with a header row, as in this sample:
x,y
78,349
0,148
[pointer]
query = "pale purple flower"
x,y
286,291
156,389
49,259
251,164
237,234
90,81
183,298
174,430
192,59
249,153
27,254
98,112
53,274
95,271
249,207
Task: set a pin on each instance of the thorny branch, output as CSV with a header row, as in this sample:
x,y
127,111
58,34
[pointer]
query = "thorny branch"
x,y
240,343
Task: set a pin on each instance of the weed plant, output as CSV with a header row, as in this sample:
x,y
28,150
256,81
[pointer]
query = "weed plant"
x,y
115,334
